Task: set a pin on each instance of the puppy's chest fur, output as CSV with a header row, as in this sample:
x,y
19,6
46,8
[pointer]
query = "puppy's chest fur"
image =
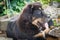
x,y
30,30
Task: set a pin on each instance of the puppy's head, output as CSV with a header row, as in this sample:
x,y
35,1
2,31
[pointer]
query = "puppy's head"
x,y
37,17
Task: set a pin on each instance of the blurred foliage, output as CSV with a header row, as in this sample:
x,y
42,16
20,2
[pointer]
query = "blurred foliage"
x,y
42,1
2,7
11,6
57,0
55,23
17,5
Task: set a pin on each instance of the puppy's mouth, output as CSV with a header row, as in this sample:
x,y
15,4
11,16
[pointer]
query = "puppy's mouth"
x,y
38,22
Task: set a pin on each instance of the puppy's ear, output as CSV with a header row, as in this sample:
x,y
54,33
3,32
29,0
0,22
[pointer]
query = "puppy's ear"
x,y
30,6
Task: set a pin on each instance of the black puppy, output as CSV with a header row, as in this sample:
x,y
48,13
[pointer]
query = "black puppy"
x,y
23,28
